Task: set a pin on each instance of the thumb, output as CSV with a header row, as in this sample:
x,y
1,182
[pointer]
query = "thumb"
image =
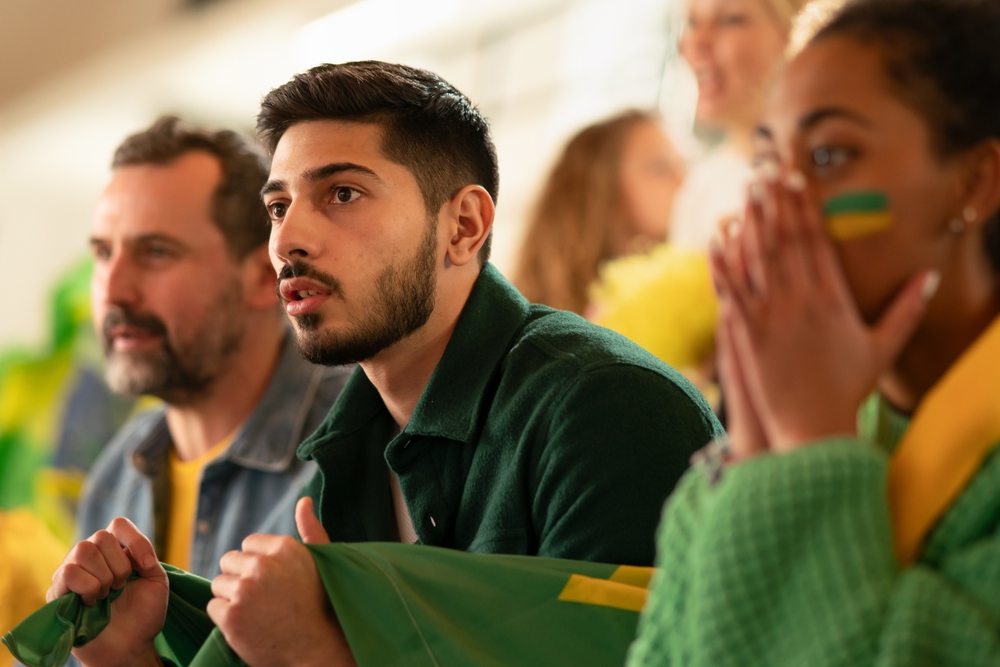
x,y
899,322
309,527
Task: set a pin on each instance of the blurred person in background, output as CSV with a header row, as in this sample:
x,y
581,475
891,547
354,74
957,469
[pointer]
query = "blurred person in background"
x,y
609,194
665,301
853,518
184,301
733,48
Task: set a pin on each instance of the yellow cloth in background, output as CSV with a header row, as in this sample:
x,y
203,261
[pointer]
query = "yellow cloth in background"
x,y
185,480
29,555
664,301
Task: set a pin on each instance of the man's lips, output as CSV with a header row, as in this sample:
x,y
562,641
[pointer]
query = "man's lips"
x,y
126,337
302,295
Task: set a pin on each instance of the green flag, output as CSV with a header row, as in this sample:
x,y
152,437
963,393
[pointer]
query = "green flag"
x,y
403,605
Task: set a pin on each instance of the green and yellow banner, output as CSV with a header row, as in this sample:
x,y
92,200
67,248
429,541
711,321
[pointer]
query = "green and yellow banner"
x,y
403,605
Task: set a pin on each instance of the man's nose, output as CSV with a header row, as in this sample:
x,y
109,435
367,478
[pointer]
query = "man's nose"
x,y
117,281
297,236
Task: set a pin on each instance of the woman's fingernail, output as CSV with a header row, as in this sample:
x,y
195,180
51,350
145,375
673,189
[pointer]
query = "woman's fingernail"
x,y
931,284
795,181
769,171
756,192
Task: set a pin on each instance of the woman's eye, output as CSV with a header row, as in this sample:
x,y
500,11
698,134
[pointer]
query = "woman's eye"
x,y
277,210
344,195
828,158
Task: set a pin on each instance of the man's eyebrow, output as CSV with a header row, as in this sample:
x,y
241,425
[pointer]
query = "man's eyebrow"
x,y
272,186
319,173
334,168
142,238
813,118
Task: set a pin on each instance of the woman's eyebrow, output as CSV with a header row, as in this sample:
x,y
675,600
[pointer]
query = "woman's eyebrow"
x,y
813,118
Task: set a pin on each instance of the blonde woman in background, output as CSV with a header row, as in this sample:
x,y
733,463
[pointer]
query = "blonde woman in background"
x,y
733,47
609,194
665,301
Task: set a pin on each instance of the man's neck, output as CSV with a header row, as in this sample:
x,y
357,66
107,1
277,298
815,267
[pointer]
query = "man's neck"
x,y
198,426
401,372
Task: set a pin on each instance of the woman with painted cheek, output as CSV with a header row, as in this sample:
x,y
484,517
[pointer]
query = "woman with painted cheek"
x,y
853,516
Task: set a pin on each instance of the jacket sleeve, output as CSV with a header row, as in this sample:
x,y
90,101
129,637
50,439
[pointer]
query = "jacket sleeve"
x,y
788,560
618,440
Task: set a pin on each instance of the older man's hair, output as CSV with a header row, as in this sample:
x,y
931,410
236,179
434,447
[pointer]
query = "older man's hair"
x,y
236,207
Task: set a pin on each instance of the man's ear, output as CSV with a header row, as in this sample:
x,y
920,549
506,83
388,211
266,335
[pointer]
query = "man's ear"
x,y
981,198
470,214
259,279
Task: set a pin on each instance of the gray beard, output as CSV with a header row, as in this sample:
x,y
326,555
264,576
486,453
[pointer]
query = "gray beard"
x,y
180,371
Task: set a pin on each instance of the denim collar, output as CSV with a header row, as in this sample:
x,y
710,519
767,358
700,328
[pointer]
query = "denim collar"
x,y
453,403
267,439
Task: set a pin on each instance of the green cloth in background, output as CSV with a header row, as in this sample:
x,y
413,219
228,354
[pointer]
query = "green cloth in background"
x,y
400,605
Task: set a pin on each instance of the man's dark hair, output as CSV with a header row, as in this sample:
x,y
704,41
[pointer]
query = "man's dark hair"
x,y
940,57
427,125
236,206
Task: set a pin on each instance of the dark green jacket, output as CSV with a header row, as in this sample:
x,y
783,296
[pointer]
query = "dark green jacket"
x,y
538,434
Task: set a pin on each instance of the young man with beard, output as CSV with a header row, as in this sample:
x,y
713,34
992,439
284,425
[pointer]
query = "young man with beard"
x,y
475,421
183,300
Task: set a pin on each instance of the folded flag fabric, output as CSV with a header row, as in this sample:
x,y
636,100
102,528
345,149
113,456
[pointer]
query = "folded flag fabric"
x,y
403,605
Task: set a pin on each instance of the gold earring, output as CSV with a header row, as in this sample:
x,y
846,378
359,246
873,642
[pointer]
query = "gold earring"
x,y
969,214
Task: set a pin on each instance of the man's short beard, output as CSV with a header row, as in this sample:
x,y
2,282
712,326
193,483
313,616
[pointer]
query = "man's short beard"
x,y
177,371
403,302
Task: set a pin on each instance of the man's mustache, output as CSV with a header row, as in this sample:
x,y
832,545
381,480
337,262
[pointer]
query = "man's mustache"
x,y
126,317
299,269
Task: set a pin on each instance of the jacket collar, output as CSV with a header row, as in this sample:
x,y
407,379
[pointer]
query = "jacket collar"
x,y
267,439
452,405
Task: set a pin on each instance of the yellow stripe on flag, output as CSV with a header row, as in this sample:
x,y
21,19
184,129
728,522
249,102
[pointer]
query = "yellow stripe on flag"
x,y
632,575
956,426
845,226
627,592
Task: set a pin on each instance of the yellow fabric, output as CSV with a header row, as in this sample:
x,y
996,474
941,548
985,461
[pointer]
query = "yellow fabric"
x,y
603,592
185,479
955,427
632,575
846,226
664,301
29,555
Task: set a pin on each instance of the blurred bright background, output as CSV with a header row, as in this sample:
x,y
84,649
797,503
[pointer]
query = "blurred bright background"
x,y
80,76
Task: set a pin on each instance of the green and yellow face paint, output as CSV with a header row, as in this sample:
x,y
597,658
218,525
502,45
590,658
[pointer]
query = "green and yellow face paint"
x,y
855,214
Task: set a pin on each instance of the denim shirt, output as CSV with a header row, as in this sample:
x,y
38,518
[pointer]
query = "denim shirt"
x,y
250,488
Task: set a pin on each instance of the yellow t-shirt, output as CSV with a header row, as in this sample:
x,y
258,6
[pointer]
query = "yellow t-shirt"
x,y
185,479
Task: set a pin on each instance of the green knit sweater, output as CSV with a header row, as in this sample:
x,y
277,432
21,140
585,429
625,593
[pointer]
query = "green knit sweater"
x,y
788,560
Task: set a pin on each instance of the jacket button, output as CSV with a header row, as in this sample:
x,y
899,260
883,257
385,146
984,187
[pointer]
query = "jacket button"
x,y
433,522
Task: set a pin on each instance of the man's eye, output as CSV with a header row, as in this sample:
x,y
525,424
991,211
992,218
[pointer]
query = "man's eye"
x,y
101,254
277,210
158,252
344,195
